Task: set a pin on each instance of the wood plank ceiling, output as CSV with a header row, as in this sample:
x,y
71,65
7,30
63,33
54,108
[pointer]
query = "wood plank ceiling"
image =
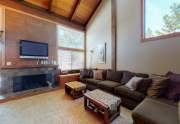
x,y
75,11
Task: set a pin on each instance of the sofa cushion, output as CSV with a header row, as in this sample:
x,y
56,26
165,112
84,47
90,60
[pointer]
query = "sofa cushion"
x,y
83,80
141,75
108,85
128,75
98,74
143,85
86,73
165,100
158,86
151,111
173,91
133,83
114,76
92,81
91,87
126,92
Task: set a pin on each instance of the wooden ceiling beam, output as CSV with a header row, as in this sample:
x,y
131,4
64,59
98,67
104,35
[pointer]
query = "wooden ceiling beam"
x,y
74,9
40,13
50,5
100,1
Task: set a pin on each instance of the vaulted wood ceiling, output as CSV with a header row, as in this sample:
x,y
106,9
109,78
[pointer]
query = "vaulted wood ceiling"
x,y
77,11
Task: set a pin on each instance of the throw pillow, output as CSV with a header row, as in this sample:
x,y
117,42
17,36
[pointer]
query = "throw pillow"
x,y
143,85
86,73
173,90
98,74
83,73
127,76
114,76
158,86
133,83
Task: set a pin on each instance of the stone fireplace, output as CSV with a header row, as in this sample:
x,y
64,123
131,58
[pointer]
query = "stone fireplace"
x,y
22,79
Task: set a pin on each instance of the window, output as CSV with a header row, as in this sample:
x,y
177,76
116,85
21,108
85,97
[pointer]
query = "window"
x,y
71,49
161,19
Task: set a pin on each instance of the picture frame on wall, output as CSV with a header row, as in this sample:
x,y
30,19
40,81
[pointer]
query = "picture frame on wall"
x,y
101,53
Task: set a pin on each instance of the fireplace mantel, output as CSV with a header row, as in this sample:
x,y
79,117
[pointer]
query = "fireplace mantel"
x,y
28,66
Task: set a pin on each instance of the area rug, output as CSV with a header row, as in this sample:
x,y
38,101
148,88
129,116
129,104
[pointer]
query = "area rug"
x,y
50,108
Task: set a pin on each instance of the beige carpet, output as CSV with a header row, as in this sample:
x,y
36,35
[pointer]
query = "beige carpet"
x,y
52,108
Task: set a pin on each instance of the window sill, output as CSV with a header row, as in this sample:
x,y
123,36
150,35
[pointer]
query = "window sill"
x,y
66,72
172,35
68,75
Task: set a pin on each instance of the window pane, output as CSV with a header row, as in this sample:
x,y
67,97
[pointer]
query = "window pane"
x,y
69,60
70,38
77,60
64,59
161,17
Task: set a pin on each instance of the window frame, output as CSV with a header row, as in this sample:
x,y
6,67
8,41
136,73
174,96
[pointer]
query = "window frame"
x,y
81,50
143,36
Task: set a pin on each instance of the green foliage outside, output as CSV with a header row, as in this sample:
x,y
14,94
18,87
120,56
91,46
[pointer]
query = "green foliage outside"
x,y
171,22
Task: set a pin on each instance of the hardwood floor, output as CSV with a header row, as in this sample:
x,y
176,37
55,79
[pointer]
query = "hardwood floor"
x,y
52,108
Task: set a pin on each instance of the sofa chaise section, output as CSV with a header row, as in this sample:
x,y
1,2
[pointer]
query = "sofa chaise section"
x,y
130,99
153,111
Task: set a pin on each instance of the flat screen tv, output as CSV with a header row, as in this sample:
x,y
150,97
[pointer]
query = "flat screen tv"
x,y
33,50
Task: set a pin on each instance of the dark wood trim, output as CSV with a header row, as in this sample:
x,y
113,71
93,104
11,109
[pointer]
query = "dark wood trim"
x,y
114,34
85,50
16,6
29,66
142,20
166,36
31,5
71,49
100,1
49,11
50,6
74,9
3,43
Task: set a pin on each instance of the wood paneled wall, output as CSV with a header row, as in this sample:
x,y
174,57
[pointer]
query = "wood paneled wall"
x,y
21,26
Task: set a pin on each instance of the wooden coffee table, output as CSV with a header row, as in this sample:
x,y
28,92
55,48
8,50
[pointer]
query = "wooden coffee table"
x,y
103,104
75,88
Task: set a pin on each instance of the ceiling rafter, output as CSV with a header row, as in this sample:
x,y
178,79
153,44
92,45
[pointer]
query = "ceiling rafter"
x,y
50,5
100,1
75,9
80,12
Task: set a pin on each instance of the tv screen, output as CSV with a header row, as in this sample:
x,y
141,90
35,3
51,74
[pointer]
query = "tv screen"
x,y
33,50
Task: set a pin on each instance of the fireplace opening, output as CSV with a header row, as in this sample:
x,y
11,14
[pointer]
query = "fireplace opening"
x,y
22,83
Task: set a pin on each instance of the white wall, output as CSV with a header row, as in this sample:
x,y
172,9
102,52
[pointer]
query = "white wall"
x,y
150,57
99,32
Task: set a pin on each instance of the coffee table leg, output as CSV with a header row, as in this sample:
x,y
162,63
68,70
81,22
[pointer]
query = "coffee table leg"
x,y
85,103
74,94
106,118
66,89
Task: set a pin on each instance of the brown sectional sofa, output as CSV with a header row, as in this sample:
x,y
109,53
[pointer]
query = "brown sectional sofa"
x,y
146,110
114,83
161,110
